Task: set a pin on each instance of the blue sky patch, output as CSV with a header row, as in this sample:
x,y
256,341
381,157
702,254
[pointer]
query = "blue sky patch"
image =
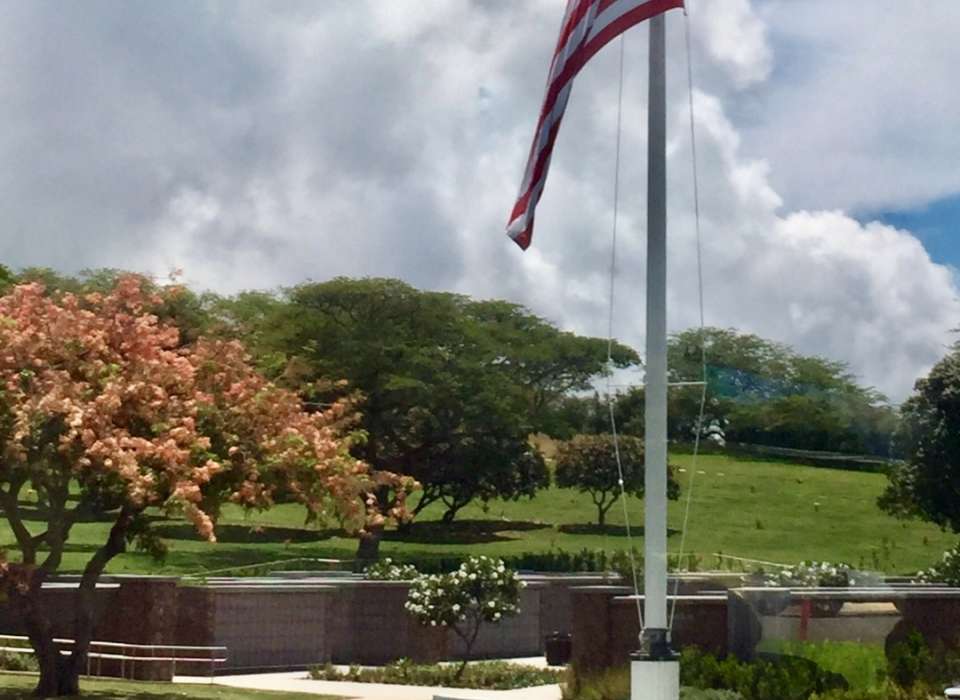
x,y
937,225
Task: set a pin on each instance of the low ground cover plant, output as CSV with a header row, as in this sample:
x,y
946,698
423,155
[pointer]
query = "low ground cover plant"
x,y
489,675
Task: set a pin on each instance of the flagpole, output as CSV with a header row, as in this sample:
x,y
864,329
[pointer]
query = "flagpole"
x,y
654,670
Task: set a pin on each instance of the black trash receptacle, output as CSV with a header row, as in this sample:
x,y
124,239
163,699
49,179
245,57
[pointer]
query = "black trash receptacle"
x,y
559,647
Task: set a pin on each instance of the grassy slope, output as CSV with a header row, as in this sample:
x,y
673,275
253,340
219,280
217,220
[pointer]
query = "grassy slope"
x,y
19,686
756,509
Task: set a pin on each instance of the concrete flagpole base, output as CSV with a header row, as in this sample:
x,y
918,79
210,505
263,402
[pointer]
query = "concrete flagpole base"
x,y
654,680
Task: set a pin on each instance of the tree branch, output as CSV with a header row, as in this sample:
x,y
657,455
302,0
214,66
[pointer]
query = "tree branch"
x,y
11,509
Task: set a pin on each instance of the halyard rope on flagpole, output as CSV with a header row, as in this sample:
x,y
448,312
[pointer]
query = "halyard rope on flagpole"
x,y
613,274
703,339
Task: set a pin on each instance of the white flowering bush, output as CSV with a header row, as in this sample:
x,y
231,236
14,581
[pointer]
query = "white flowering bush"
x,y
388,570
811,574
946,571
481,590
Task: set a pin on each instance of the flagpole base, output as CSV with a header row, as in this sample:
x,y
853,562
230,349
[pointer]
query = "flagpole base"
x,y
655,669
654,680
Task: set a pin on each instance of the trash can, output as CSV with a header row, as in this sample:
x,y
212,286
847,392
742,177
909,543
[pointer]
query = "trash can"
x,y
952,693
559,647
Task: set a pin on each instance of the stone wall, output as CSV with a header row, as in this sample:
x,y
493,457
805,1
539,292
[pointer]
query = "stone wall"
x,y
606,626
268,627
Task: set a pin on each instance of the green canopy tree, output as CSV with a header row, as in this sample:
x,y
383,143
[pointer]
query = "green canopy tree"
x,y
550,364
927,484
588,463
452,387
759,391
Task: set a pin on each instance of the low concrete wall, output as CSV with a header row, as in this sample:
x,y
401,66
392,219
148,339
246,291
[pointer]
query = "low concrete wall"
x,y
297,623
881,614
269,627
606,627
854,622
293,622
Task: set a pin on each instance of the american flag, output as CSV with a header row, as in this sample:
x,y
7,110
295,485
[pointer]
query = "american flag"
x,y
587,27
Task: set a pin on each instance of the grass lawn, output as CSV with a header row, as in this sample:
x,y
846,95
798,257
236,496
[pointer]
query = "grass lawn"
x,y
771,511
14,685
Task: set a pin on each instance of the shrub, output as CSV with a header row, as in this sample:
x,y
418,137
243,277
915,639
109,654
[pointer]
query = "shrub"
x,y
17,662
887,691
388,570
864,665
770,677
946,571
811,574
614,684
481,590
913,662
705,677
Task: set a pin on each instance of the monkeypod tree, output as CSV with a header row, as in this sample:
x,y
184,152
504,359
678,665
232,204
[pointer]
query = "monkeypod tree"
x,y
588,463
449,384
106,412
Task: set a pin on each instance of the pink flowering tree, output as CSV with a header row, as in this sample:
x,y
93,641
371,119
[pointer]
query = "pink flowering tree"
x,y
105,412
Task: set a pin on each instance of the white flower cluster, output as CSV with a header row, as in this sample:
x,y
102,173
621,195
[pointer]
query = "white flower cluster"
x,y
387,570
482,589
946,571
811,574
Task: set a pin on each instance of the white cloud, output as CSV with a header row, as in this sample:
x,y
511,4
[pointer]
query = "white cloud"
x,y
862,106
736,39
259,146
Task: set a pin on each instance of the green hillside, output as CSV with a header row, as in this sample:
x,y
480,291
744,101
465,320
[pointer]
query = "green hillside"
x,y
770,511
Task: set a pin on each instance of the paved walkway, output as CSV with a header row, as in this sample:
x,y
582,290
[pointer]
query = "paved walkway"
x,y
299,682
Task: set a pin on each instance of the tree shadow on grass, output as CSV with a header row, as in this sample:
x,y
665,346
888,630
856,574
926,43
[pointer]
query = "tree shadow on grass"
x,y
608,530
32,513
244,534
461,531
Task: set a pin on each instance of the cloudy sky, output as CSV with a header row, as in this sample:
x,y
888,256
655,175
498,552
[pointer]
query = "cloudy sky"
x,y
257,145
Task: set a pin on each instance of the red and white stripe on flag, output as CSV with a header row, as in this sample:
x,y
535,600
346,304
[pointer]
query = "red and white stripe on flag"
x,y
588,25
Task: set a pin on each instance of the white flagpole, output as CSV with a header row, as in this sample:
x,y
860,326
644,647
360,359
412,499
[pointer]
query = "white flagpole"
x,y
655,671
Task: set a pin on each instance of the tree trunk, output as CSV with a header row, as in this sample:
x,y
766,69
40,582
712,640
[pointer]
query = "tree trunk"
x,y
453,507
426,498
368,549
86,598
601,515
53,680
448,515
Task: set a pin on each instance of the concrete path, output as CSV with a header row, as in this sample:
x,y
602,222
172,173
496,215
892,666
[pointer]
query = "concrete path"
x,y
299,682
